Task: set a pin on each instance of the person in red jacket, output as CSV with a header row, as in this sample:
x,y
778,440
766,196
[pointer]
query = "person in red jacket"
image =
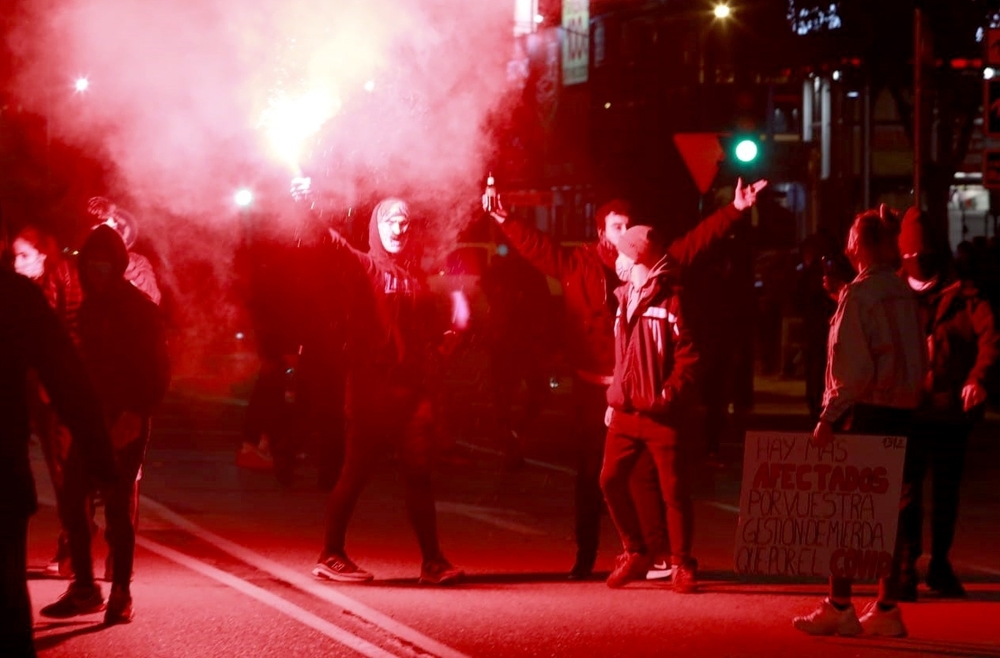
x,y
652,386
963,345
588,279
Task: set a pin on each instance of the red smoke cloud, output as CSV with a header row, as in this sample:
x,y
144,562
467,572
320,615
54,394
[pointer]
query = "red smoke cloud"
x,y
182,98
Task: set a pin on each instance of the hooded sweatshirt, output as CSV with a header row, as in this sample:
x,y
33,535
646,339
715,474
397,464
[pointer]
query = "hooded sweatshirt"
x,y
122,337
406,324
655,359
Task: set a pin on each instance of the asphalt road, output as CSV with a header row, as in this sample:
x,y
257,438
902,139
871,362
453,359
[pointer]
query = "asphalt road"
x,y
222,567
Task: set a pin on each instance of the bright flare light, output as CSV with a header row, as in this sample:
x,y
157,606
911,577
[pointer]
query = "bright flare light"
x,y
81,85
722,11
290,121
243,198
989,72
370,86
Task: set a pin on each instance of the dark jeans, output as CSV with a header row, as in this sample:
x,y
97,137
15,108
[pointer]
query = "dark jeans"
x,y
628,437
881,421
384,415
15,606
120,511
938,447
590,403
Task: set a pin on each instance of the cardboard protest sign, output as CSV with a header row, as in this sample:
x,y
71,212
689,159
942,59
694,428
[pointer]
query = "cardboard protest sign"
x,y
810,512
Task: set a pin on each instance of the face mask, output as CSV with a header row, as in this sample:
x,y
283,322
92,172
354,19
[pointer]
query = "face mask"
x,y
28,261
623,270
392,233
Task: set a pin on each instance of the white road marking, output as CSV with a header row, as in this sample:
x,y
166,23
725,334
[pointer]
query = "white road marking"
x,y
300,615
492,516
305,583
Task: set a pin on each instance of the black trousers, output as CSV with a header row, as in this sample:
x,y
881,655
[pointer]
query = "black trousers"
x,y
937,448
15,606
121,503
590,403
385,416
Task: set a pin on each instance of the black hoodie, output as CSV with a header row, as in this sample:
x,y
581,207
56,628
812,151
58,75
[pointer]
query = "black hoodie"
x,y
122,335
407,322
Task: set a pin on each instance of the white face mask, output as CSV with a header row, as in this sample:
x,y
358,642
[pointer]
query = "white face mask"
x,y
392,232
28,261
623,267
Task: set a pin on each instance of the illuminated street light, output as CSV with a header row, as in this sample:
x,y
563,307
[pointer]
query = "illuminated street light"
x,y
539,19
243,198
989,72
722,11
81,85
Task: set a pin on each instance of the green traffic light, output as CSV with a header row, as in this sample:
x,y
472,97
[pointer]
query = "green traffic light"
x,y
746,150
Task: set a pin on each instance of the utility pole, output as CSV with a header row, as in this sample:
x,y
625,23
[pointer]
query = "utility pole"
x,y
918,101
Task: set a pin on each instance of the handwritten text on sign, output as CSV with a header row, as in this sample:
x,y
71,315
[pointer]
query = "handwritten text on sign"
x,y
806,511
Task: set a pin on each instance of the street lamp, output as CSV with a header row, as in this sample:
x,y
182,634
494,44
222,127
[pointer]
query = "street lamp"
x,y
81,85
722,11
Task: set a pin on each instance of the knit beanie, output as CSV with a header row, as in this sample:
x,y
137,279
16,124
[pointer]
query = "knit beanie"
x,y
911,234
642,244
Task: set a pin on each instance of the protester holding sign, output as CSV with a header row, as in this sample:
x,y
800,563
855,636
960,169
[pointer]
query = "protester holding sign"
x,y
873,380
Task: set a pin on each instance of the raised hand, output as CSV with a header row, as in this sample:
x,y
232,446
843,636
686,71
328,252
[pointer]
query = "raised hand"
x,y
498,213
747,196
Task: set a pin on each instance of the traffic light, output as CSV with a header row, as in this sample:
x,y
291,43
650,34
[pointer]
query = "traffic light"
x,y
743,153
746,150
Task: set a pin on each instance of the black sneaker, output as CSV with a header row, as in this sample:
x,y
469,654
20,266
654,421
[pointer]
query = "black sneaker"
x,y
629,567
439,572
341,569
119,610
685,577
76,600
942,581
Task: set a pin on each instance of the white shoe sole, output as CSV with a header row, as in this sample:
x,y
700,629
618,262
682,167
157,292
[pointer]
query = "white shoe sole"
x,y
659,574
323,573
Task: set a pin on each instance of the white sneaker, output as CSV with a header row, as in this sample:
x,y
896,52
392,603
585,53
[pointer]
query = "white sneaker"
x,y
661,570
828,620
887,623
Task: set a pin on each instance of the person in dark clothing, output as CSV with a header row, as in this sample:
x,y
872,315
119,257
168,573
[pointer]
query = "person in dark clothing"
x,y
37,257
587,275
32,337
270,267
519,339
388,398
123,343
653,384
814,303
963,346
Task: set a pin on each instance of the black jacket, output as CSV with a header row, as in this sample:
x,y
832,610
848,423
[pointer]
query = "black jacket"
x,y
31,336
403,324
